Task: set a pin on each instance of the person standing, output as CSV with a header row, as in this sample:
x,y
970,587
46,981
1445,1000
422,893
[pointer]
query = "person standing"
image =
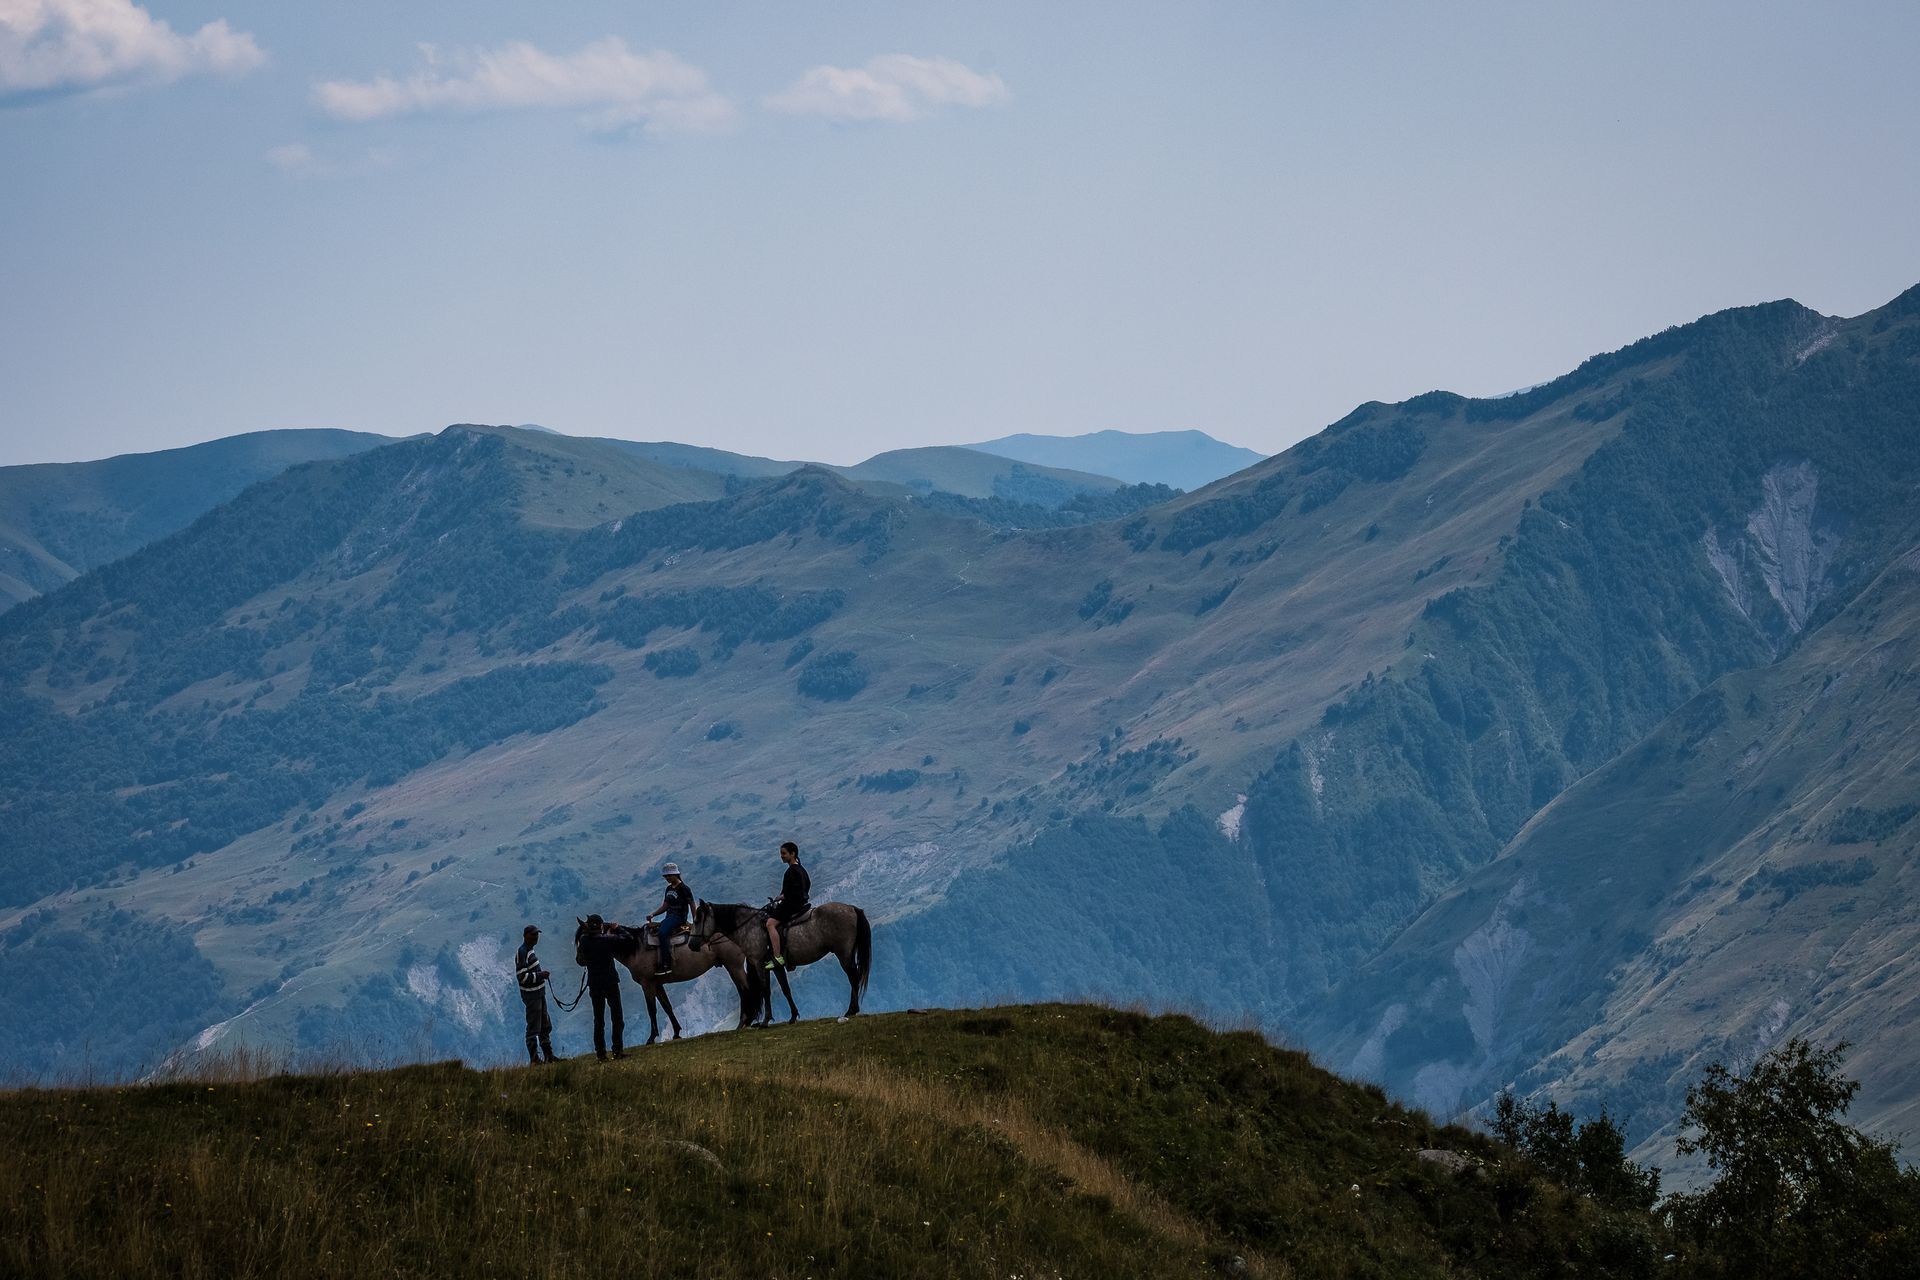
x,y
795,885
674,912
533,993
598,949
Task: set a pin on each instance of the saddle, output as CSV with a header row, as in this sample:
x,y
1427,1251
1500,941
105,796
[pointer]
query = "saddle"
x,y
650,935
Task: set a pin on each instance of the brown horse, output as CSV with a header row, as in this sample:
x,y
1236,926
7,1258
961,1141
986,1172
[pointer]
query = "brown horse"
x,y
689,962
835,929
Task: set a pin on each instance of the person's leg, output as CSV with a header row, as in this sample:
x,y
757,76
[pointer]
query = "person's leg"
x,y
665,961
599,1024
773,942
546,1029
534,1013
619,1023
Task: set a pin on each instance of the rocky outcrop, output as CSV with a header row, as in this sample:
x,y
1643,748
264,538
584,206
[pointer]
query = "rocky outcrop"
x,y
1782,549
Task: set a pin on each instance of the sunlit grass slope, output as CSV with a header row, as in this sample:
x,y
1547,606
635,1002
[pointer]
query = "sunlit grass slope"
x,y
1022,1141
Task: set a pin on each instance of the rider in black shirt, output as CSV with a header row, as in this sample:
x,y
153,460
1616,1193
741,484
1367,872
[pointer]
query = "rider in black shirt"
x,y
794,888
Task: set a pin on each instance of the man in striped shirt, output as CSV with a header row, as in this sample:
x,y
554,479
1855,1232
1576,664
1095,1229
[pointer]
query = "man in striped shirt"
x,y
533,994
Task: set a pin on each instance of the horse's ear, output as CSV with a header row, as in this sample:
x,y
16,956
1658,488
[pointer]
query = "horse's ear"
x,y
577,920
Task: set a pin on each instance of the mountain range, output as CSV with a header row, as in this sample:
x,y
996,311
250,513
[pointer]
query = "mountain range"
x,y
1555,740
1183,459
58,520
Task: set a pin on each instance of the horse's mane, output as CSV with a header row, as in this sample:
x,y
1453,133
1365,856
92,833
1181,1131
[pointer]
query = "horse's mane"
x,y
728,916
627,941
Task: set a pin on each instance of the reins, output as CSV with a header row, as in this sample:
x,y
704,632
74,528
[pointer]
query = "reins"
x,y
578,996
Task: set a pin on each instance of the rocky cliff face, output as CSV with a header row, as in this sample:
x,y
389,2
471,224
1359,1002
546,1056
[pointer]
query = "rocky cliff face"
x,y
1782,549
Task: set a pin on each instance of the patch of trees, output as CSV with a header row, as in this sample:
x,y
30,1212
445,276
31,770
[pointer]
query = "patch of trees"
x,y
890,780
736,615
90,792
1231,516
679,661
1084,507
1857,825
1788,881
112,989
833,677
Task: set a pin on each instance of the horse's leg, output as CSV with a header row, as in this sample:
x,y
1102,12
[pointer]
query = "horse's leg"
x,y
852,971
653,1018
669,1004
793,1010
749,993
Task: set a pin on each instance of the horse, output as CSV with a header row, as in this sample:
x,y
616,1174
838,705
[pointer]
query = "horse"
x,y
689,962
838,929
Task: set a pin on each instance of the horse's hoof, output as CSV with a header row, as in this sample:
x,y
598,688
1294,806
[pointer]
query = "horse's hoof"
x,y
843,1017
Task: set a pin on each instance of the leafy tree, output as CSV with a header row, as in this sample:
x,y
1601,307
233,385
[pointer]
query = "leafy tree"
x,y
1799,1193
1589,1157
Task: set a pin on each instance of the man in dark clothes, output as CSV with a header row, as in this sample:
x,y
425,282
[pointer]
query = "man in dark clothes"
x,y
675,910
533,993
794,888
598,947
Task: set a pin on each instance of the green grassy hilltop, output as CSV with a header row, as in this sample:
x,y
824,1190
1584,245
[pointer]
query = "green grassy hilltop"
x,y
1019,1141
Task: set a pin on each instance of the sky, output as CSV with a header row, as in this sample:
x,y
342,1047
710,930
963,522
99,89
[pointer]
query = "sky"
x,y
824,230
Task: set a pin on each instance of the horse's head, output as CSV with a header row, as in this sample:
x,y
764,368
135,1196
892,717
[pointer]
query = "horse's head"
x,y
702,925
586,929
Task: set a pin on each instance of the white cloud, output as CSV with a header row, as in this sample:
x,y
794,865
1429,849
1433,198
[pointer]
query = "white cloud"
x,y
893,86
298,160
616,86
70,46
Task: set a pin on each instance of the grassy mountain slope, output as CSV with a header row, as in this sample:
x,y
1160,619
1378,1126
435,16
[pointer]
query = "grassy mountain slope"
x,y
57,520
1183,459
1745,874
973,474
1043,1140
336,741
967,472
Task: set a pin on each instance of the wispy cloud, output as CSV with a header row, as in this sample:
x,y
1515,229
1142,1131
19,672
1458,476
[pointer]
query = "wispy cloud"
x,y
51,47
617,87
893,86
299,160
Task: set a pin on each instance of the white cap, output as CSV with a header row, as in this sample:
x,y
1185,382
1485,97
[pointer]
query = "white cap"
x,y
671,869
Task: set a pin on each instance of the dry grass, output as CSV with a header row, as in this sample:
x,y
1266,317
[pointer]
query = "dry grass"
x,y
1044,1141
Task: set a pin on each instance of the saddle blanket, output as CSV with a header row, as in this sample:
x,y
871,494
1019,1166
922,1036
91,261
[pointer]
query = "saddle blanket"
x,y
650,936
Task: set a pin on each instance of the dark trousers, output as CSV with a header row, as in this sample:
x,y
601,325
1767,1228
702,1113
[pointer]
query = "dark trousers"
x,y
668,927
608,1001
539,1024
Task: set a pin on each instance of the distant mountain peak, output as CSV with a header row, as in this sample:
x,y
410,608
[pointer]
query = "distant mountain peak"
x,y
1185,459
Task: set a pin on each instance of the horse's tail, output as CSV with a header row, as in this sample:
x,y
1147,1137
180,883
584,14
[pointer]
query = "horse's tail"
x,y
862,948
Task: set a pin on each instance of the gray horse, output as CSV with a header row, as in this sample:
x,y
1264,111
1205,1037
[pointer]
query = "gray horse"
x,y
835,929
689,962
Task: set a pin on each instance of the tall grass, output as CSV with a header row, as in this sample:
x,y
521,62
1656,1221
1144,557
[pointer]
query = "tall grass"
x,y
1052,1140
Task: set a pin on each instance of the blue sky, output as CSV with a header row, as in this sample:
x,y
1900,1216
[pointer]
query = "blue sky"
x,y
825,230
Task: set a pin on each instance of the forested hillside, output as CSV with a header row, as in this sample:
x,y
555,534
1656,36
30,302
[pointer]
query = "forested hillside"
x,y
335,742
57,520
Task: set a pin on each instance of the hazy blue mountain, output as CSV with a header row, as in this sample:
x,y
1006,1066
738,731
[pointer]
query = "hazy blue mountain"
x,y
314,760
59,519
1183,459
